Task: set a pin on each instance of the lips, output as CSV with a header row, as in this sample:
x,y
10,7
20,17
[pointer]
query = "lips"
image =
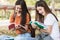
x,y
20,11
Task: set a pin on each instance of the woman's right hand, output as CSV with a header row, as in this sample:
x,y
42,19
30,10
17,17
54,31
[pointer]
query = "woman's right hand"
x,y
34,26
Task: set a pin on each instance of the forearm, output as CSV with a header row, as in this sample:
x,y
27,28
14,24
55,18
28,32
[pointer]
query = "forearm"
x,y
48,29
45,30
11,19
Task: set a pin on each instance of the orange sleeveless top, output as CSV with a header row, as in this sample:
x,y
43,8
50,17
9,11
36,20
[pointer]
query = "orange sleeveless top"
x,y
17,20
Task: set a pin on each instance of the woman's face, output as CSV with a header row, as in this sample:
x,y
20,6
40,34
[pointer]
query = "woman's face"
x,y
41,10
18,8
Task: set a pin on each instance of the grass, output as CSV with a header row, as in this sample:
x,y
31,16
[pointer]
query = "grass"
x,y
4,30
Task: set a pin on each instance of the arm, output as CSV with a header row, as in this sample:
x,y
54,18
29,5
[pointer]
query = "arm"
x,y
11,19
49,22
48,30
27,21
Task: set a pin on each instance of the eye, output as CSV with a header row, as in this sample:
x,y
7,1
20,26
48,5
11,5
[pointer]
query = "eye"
x,y
40,9
19,8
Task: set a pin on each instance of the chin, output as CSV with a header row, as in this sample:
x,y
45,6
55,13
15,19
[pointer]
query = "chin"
x,y
43,14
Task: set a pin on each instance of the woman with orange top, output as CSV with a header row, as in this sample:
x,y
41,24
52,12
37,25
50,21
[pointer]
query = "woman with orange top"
x,y
21,16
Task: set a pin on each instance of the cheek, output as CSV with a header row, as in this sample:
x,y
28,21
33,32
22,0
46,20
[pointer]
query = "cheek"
x,y
40,11
16,8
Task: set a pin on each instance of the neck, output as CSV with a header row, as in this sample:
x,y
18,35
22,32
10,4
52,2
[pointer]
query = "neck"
x,y
18,14
45,14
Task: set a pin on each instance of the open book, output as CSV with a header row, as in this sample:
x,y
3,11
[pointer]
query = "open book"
x,y
38,24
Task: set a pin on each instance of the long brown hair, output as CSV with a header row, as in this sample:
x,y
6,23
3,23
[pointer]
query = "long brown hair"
x,y
24,11
46,8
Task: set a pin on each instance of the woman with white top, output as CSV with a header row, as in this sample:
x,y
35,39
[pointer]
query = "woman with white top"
x,y
44,15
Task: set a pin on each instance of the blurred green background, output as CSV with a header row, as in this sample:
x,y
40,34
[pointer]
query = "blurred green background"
x,y
6,7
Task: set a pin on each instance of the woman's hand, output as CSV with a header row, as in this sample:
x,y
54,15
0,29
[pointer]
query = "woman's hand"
x,y
26,27
34,26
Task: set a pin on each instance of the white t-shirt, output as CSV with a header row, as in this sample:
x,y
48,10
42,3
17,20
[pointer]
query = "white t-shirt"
x,y
51,20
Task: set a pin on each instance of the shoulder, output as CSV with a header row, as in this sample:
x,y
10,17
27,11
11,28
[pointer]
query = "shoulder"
x,y
27,14
49,19
12,14
50,16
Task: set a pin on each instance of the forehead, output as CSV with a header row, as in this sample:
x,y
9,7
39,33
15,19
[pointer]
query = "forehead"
x,y
18,6
39,7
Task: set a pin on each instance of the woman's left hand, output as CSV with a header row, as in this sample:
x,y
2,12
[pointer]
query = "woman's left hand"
x,y
26,27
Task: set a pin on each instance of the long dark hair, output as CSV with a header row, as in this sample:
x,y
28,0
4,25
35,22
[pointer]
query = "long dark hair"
x,y
46,8
24,11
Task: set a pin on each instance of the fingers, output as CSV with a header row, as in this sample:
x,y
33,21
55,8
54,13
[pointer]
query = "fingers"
x,y
34,26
